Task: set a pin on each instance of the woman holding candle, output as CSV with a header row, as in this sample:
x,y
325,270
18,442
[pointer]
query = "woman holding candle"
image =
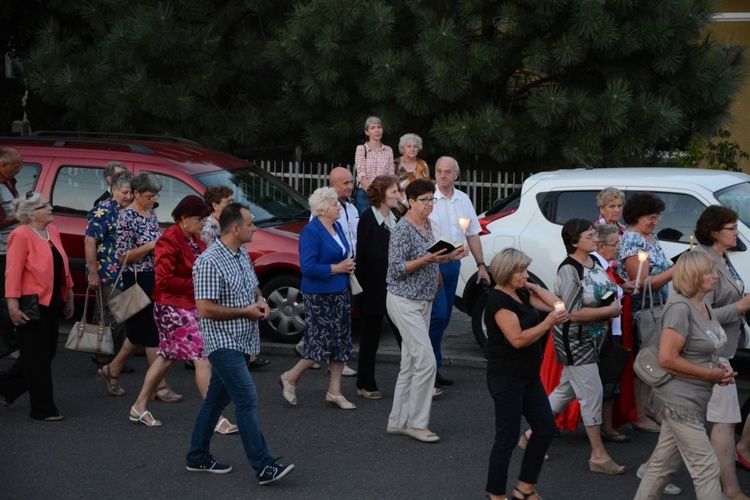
x,y
641,256
514,354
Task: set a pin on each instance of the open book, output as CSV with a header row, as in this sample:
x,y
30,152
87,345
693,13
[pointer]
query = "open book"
x,y
443,243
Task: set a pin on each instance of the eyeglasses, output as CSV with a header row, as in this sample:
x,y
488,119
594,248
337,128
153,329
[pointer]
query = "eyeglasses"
x,y
733,229
611,244
46,205
653,218
151,197
427,201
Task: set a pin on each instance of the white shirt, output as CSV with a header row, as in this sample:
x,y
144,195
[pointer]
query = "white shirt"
x,y
348,220
616,322
446,212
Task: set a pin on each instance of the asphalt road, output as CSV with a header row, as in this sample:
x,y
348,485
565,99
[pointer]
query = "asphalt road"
x,y
97,453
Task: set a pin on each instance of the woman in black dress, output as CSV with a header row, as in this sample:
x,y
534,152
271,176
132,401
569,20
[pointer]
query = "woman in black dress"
x,y
373,237
514,356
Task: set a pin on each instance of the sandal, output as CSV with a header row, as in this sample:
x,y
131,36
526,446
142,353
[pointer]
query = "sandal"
x,y
229,429
617,437
258,363
113,383
523,442
142,418
524,496
169,397
288,390
339,402
608,467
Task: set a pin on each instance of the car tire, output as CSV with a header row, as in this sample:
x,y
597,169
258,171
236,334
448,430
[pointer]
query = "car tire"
x,y
286,319
478,328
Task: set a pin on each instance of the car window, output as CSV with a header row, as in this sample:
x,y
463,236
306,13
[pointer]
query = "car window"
x,y
172,191
735,197
677,222
27,178
559,207
76,189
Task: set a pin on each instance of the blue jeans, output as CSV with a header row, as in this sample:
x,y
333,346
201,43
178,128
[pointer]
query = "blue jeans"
x,y
360,200
442,307
230,381
513,398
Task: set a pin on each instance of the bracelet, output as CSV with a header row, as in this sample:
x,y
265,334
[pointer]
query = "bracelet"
x,y
480,264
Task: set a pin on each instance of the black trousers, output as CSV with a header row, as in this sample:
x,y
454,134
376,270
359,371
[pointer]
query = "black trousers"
x,y
32,372
368,349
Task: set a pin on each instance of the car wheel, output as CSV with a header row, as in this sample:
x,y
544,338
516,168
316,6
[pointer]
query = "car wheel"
x,y
286,319
478,328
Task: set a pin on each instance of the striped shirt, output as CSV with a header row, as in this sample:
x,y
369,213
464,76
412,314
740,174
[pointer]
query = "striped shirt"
x,y
228,279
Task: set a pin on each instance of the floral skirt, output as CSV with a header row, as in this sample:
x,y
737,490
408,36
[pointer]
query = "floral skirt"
x,y
328,326
179,335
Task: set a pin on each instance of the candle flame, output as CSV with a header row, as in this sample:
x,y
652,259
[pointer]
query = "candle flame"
x,y
642,256
464,223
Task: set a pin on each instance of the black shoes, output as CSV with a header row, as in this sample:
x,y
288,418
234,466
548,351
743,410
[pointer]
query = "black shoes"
x,y
209,464
274,472
442,380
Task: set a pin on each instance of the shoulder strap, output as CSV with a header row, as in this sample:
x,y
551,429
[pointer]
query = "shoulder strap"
x,y
566,326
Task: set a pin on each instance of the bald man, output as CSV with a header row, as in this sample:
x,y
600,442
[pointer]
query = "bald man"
x,y
342,181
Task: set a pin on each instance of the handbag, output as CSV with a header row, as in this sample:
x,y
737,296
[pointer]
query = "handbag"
x,y
646,364
28,304
613,358
354,284
86,337
129,302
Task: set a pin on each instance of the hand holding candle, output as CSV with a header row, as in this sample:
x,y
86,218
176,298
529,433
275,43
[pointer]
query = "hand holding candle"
x,y
559,306
464,223
642,257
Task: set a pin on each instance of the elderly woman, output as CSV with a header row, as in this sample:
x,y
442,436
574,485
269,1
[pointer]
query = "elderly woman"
x,y
371,159
641,214
216,197
175,313
609,201
37,266
716,232
409,168
325,262
412,283
373,237
689,348
102,265
136,235
514,355
585,289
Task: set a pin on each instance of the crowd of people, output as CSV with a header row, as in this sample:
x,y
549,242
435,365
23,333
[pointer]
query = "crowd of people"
x,y
369,243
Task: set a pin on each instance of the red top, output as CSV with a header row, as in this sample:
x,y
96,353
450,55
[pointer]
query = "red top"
x,y
174,268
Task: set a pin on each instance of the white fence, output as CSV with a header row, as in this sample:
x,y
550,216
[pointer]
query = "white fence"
x,y
484,187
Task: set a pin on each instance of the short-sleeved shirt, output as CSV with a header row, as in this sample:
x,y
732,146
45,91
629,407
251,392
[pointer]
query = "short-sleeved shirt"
x,y
102,226
502,357
685,399
228,279
631,243
133,231
8,193
370,164
211,231
446,212
408,243
585,339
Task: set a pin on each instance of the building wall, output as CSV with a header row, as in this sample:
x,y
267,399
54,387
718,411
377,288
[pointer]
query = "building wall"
x,y
733,25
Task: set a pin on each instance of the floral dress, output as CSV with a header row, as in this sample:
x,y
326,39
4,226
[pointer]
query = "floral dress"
x,y
179,334
630,244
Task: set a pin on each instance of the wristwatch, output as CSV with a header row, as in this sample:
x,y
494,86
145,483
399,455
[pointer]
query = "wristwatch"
x,y
480,264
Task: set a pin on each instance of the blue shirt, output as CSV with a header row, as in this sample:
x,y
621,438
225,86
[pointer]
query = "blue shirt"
x,y
229,280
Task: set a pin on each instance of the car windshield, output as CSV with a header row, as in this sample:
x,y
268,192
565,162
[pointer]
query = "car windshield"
x,y
271,201
736,197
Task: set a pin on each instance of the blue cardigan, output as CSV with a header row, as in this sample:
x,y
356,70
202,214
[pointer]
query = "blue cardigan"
x,y
317,251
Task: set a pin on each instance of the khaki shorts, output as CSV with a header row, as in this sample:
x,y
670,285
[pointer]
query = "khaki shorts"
x,y
724,405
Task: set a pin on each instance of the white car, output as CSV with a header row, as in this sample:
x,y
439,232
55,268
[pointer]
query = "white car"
x,y
531,219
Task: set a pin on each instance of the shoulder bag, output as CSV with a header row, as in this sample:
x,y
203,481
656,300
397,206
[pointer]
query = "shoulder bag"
x,y
129,302
86,337
646,364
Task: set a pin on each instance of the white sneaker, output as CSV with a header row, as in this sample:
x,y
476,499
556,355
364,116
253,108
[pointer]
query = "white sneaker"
x,y
670,489
348,372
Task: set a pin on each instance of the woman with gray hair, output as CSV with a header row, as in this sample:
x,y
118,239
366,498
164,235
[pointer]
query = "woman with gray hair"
x,y
409,168
136,234
38,268
326,263
610,201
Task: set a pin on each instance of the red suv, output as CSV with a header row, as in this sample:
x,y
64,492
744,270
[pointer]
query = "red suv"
x,y
67,169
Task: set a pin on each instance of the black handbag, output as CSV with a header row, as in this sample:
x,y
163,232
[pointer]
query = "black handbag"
x,y
613,358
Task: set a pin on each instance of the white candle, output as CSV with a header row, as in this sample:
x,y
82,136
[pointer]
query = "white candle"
x,y
559,306
642,257
464,223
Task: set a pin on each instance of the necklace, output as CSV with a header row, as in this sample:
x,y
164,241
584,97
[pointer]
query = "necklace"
x,y
40,234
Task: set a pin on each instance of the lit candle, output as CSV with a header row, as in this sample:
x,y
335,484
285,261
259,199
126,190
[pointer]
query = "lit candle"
x,y
464,223
559,306
691,242
642,257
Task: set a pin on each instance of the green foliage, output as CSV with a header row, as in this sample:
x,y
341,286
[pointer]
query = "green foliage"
x,y
717,152
518,83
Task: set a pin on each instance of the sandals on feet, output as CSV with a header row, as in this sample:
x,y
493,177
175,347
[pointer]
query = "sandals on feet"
x,y
617,437
225,427
608,467
339,402
288,390
257,363
113,383
169,397
145,418
524,496
523,442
